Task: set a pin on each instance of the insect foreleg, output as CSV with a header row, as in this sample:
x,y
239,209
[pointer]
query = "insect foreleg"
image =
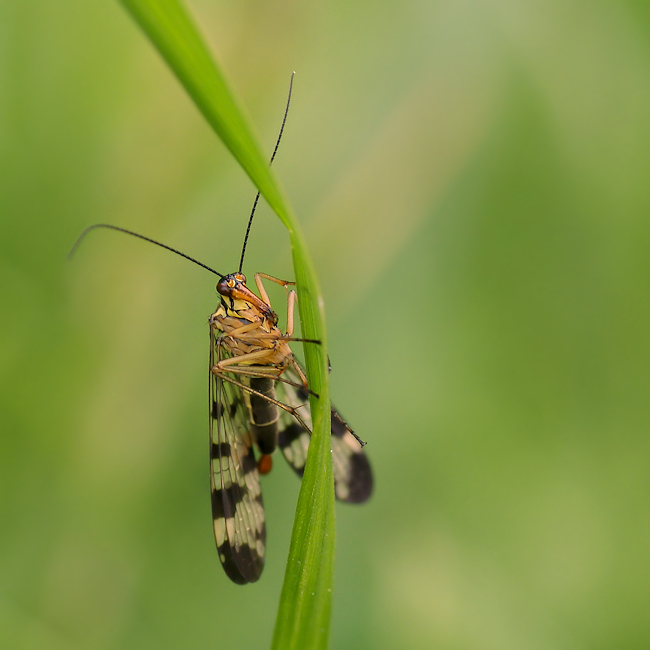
x,y
291,304
262,289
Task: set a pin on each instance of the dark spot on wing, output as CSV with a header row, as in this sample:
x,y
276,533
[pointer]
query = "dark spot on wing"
x,y
289,434
220,449
248,462
217,409
241,564
225,500
360,479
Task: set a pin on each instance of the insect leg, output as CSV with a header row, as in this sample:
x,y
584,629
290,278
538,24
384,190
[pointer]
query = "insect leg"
x,y
262,357
262,289
301,374
291,306
270,336
289,409
348,428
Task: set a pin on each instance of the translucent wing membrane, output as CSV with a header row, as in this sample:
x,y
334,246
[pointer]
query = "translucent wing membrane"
x,y
352,473
237,507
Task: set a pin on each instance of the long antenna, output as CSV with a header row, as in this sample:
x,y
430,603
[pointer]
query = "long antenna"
x,y
135,234
257,198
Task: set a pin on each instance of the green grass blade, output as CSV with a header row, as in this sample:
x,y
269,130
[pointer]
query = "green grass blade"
x,y
305,604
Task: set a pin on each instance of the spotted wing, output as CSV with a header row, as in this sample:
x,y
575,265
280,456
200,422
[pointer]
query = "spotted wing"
x,y
237,507
352,473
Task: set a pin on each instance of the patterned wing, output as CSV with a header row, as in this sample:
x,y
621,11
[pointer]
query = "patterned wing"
x,y
352,473
237,507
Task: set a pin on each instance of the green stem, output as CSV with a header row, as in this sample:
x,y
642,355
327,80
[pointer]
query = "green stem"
x,y
304,611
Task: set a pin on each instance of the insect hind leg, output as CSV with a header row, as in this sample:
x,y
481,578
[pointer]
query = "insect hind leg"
x,y
289,409
348,428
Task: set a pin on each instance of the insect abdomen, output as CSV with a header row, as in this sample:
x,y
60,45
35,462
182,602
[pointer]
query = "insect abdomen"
x,y
264,414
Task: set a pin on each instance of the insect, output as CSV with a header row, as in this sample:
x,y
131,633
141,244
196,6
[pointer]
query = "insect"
x,y
259,398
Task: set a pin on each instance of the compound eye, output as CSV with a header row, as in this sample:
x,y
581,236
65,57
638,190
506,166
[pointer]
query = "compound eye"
x,y
241,277
225,286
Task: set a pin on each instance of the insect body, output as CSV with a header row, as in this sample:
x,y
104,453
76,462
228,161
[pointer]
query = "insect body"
x,y
259,397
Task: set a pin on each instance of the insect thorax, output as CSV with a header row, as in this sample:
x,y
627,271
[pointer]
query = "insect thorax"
x,y
245,330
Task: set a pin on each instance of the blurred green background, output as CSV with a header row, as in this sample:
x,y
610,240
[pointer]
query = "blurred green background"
x,y
473,180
